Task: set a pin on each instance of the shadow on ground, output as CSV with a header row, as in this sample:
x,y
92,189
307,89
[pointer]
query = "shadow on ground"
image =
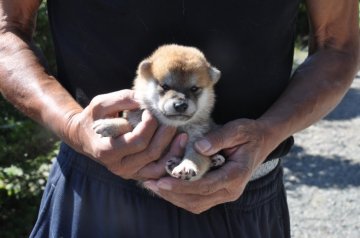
x,y
322,172
348,108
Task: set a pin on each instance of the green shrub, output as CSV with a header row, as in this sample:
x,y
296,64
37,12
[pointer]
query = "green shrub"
x,y
26,151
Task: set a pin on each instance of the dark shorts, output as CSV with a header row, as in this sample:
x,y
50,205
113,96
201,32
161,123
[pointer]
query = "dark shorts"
x,y
83,199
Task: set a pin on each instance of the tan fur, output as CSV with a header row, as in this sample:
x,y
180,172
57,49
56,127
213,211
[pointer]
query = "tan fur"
x,y
181,68
181,59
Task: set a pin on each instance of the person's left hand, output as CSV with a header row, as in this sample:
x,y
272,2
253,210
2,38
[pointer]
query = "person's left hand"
x,y
246,145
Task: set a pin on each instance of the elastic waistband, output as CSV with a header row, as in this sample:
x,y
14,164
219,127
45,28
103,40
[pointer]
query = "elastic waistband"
x,y
260,191
255,193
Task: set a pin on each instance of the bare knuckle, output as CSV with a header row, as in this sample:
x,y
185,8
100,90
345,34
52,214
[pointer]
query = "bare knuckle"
x,y
97,101
193,207
242,131
153,153
103,153
122,171
140,144
244,170
233,194
220,141
126,176
137,175
206,189
233,197
197,211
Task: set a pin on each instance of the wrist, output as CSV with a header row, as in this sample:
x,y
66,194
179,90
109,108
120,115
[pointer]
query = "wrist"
x,y
71,128
273,135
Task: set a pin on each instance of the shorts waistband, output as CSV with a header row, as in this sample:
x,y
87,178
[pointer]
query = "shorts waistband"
x,y
258,192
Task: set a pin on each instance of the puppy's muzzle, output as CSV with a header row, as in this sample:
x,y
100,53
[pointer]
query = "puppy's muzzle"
x,y
180,106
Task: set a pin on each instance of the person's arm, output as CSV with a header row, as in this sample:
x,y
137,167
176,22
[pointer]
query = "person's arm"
x,y
315,89
320,83
24,81
26,84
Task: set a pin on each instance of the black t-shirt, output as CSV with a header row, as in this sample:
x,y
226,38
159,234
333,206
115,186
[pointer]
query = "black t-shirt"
x,y
99,44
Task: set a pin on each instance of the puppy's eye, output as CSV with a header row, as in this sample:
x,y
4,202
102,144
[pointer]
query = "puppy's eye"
x,y
165,87
194,89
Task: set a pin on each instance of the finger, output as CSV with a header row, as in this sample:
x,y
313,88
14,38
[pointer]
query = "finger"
x,y
193,202
204,186
228,152
110,103
232,176
156,169
138,139
228,136
158,144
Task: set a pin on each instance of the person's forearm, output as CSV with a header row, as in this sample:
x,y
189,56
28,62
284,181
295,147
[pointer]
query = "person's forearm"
x,y
322,80
316,88
25,83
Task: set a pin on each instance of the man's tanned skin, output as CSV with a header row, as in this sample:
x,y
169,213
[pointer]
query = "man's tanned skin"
x,y
26,84
315,89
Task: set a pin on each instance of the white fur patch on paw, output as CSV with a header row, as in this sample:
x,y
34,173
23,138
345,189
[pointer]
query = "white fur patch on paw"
x,y
186,170
217,160
106,128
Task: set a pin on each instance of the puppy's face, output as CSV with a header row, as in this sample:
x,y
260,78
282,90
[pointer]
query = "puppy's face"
x,y
175,89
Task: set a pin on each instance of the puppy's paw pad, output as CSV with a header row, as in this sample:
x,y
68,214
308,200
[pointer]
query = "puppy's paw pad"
x,y
186,171
217,160
106,128
171,164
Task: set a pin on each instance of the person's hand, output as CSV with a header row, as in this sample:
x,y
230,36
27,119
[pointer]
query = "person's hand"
x,y
133,154
246,145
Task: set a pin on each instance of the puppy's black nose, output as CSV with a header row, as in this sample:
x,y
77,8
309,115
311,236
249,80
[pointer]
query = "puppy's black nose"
x,y
180,106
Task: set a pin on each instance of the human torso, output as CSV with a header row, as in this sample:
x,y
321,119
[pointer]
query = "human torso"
x,y
99,44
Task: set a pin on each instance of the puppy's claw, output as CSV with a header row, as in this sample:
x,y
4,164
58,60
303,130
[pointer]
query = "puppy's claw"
x,y
217,160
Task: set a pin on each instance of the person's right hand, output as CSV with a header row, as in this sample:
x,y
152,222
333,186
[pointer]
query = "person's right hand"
x,y
135,153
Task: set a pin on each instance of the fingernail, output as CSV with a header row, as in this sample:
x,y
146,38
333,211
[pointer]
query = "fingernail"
x,y
203,145
164,185
151,186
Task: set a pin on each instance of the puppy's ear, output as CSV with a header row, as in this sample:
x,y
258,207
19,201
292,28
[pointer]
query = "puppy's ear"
x,y
215,74
144,69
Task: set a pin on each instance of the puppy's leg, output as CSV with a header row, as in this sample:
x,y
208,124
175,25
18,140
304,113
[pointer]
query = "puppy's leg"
x,y
112,127
192,167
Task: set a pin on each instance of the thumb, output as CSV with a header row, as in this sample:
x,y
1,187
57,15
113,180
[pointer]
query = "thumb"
x,y
222,138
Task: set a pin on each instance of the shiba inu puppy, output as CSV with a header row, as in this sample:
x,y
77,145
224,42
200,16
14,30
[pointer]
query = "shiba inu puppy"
x,y
176,84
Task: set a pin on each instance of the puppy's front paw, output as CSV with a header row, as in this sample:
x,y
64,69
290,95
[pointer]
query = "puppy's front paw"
x,y
171,164
186,170
112,127
106,128
217,160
